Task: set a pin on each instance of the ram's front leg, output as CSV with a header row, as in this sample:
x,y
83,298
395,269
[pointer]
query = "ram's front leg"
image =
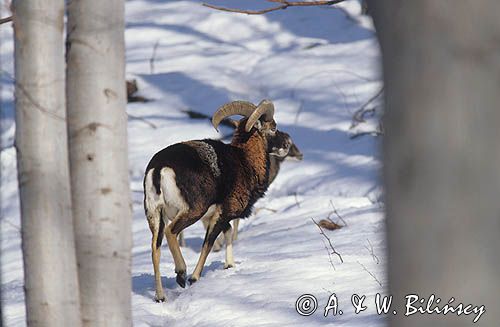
x,y
236,224
215,226
220,240
228,236
157,226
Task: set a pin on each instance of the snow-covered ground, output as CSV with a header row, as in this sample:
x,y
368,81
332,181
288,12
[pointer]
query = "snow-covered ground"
x,y
318,65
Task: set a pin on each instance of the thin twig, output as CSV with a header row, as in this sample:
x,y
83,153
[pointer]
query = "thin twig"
x,y
228,122
195,114
5,20
7,147
283,5
153,58
329,241
371,274
264,208
374,133
336,213
372,253
301,106
327,291
16,227
296,199
329,255
358,116
143,120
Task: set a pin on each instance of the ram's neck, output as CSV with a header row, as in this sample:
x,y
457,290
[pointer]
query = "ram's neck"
x,y
254,148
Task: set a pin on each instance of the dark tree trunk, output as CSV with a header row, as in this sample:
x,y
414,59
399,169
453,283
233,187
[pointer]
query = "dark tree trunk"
x,y
441,67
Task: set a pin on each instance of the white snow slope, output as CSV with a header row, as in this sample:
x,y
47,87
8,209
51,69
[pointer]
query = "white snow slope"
x,y
318,65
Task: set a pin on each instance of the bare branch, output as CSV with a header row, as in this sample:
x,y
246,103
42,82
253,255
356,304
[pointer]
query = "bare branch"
x,y
228,122
374,133
301,106
372,253
248,12
329,255
153,58
369,272
336,213
195,114
16,227
256,211
283,5
6,147
329,241
147,122
327,291
5,20
296,199
358,116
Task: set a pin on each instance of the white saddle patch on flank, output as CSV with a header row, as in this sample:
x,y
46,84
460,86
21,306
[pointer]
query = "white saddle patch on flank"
x,y
170,191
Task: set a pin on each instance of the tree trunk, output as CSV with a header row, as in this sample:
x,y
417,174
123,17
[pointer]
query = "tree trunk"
x,y
98,159
442,155
50,273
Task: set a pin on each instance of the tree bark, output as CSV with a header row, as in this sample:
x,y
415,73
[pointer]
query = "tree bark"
x,y
50,273
441,68
98,159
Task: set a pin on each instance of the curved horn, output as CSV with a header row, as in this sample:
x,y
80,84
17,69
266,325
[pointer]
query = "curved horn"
x,y
266,109
243,108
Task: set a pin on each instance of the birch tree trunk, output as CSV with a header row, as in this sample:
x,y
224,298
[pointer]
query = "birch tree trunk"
x,y
442,155
98,159
50,273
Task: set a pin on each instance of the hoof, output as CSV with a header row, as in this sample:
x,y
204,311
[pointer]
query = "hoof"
x,y
181,279
192,280
228,265
159,299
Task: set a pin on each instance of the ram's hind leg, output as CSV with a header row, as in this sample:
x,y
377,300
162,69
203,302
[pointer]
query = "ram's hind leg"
x,y
156,225
183,219
173,245
214,228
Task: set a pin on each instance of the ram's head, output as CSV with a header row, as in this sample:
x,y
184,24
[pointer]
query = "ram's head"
x,y
256,119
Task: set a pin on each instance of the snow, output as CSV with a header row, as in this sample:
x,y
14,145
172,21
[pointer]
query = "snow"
x,y
318,65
